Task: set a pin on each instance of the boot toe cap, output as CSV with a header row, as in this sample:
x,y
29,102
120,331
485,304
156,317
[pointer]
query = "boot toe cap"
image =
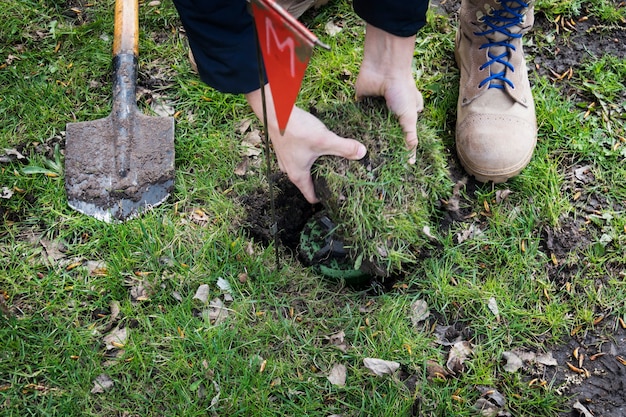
x,y
495,147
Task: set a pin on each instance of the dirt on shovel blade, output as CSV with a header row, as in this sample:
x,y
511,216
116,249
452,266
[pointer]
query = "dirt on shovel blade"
x,y
94,184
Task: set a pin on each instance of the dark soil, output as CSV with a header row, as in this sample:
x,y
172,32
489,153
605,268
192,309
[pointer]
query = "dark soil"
x,y
601,386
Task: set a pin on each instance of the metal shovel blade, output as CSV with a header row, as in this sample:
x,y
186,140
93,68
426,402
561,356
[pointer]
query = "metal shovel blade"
x,y
94,182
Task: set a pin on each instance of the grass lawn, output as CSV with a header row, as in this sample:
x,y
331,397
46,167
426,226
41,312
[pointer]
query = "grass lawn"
x,y
183,312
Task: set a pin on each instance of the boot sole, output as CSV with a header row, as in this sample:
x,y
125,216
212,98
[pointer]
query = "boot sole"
x,y
496,178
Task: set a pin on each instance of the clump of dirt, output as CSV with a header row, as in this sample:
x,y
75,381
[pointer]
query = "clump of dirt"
x,y
381,204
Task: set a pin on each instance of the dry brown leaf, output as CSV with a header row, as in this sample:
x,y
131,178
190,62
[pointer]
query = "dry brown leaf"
x,y
199,216
96,268
55,251
6,193
492,304
492,395
447,335
469,233
243,126
223,285
331,28
380,367
101,384
486,408
241,168
337,375
459,352
435,371
419,312
501,195
338,340
217,312
546,359
14,152
140,291
116,338
202,294
513,362
253,138
250,150
115,310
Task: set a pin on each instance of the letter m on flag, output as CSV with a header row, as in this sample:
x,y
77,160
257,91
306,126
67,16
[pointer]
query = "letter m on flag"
x,y
286,46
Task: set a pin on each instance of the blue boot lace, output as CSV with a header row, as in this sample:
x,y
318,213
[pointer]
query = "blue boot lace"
x,y
500,21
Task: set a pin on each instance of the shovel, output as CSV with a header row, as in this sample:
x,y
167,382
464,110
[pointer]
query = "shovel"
x,y
123,164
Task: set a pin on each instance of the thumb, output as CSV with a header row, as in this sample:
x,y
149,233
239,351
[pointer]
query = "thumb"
x,y
347,148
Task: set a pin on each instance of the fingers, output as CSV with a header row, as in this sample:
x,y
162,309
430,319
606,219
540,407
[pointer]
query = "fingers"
x,y
345,148
305,185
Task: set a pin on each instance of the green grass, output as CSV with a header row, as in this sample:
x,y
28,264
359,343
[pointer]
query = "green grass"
x,y
272,354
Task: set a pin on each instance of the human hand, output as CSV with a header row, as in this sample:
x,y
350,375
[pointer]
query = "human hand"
x,y
386,72
305,139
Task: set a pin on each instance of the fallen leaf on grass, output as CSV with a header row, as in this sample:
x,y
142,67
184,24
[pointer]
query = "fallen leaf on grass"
x,y
493,307
584,174
140,291
199,216
115,310
96,268
492,403
251,142
492,395
202,294
513,362
55,251
419,312
176,296
217,312
338,340
250,150
487,409
101,384
459,352
380,367
435,371
6,193
163,109
517,358
223,285
10,155
243,126
116,339
546,359
216,397
447,335
331,28
469,233
241,168
501,195
337,375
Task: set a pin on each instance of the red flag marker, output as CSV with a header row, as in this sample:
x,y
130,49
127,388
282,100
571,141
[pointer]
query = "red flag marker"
x,y
286,46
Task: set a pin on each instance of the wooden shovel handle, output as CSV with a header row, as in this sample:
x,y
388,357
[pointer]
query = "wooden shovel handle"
x,y
126,32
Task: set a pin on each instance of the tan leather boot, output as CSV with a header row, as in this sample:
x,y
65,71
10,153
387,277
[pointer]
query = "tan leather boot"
x,y
496,128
